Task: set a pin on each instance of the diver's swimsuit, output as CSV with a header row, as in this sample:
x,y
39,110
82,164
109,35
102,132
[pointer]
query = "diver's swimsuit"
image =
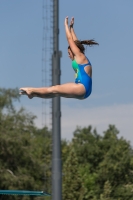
x,y
82,77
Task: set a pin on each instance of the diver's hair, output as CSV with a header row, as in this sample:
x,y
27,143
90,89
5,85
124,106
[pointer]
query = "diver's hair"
x,y
80,45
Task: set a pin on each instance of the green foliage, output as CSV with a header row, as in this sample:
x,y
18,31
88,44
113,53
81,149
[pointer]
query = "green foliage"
x,y
24,149
95,167
72,182
105,164
7,96
106,191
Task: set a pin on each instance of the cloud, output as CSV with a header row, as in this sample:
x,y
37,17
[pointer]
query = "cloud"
x,y
120,115
99,117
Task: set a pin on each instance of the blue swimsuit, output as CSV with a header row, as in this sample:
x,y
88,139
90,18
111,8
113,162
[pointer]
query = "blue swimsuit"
x,y
82,77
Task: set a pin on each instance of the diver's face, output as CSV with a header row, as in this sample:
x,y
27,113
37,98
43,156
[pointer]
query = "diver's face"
x,y
70,54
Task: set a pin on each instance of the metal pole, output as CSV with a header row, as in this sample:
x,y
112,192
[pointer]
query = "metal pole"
x,y
56,112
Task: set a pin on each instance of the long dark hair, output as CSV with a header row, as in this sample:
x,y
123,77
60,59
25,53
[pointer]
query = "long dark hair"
x,y
80,45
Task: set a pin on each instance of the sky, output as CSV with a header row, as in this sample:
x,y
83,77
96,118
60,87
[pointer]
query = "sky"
x,y
110,23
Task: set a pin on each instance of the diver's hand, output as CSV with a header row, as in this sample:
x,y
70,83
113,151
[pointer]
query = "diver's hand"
x,y
72,22
66,21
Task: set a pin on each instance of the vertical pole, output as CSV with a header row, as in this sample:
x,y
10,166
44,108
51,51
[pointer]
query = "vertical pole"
x,y
56,112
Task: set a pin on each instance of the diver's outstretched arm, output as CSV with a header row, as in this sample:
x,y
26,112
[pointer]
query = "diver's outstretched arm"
x,y
73,46
72,29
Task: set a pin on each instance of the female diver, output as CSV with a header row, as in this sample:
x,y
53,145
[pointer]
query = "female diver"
x,y
82,87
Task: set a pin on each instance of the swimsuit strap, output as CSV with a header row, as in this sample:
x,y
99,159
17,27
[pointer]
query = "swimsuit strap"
x,y
88,62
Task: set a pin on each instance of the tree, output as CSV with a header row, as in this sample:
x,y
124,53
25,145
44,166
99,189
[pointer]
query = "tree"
x,y
72,183
117,165
104,159
22,148
95,166
106,192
